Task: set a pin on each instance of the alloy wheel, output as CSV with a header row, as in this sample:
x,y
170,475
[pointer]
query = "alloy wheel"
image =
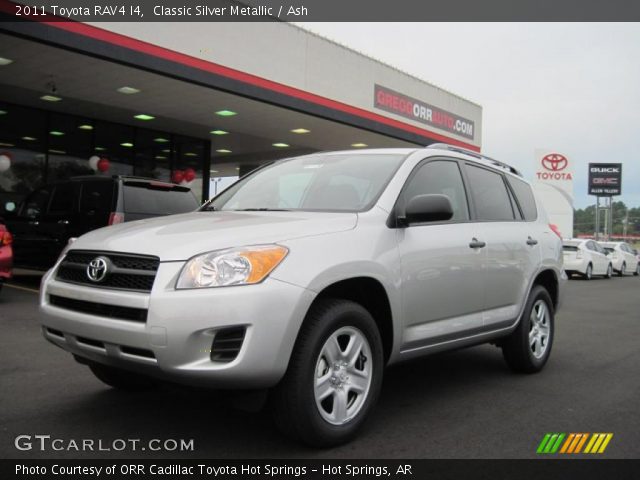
x,y
343,375
539,329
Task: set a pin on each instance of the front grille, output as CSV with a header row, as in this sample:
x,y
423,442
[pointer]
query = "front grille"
x,y
227,344
100,309
124,271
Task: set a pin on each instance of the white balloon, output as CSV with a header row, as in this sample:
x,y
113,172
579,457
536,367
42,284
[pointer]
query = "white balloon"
x,y
93,162
5,163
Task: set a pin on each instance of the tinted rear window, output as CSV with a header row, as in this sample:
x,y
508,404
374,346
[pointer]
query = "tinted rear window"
x,y
96,197
608,249
490,195
569,248
148,200
525,198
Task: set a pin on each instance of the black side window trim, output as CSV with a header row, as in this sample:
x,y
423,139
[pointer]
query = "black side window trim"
x,y
393,216
513,192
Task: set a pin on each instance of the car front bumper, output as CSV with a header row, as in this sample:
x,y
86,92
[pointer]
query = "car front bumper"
x,y
175,342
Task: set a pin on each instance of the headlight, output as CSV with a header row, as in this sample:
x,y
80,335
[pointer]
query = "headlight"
x,y
233,266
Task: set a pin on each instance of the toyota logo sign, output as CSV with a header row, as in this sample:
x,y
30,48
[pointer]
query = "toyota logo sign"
x,y
554,162
97,269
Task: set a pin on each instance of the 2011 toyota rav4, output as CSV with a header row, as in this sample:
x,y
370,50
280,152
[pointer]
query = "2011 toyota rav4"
x,y
309,276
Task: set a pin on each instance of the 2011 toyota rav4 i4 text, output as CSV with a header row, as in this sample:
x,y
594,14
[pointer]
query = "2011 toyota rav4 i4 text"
x,y
309,276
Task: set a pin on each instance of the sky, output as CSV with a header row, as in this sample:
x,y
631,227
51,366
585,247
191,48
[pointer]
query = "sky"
x,y
570,87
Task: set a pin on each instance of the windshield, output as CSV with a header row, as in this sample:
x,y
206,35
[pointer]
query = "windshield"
x,y
324,182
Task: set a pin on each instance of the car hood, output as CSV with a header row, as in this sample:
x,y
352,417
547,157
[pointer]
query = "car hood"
x,y
179,237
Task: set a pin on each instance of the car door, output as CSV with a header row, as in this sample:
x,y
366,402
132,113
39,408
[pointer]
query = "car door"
x,y
59,220
442,276
600,259
511,245
27,229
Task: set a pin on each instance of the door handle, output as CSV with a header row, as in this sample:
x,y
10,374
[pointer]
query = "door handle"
x,y
532,241
475,243
63,222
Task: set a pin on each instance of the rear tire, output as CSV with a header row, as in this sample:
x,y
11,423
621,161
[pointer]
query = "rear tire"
x,y
121,379
589,273
527,349
334,375
609,273
637,272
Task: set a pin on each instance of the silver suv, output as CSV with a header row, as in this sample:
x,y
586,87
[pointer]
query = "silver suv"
x,y
309,276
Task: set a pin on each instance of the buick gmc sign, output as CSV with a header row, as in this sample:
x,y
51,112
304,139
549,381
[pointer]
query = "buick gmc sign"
x,y
605,179
413,109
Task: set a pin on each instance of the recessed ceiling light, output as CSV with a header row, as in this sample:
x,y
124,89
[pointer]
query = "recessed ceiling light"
x,y
213,171
280,145
166,150
190,154
300,130
56,133
86,127
3,112
60,152
128,90
223,150
144,116
359,145
100,149
161,157
161,140
2,144
126,144
29,139
50,98
226,113
5,61
218,132
237,168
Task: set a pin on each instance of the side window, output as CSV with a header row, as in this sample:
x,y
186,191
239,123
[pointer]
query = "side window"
x,y
525,198
440,177
490,194
36,203
96,197
63,199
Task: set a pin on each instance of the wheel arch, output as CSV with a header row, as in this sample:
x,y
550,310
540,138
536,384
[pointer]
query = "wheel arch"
x,y
549,280
371,294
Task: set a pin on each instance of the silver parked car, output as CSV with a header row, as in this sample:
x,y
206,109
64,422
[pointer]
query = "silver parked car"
x,y
309,276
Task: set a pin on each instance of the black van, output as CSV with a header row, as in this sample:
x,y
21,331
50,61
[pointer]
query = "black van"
x,y
52,214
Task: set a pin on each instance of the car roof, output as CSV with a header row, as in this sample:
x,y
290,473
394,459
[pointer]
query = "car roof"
x,y
434,150
574,241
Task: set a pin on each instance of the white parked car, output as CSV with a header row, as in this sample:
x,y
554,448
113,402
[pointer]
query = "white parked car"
x,y
586,257
623,257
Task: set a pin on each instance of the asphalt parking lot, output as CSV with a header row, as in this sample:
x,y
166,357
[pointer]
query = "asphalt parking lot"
x,y
464,404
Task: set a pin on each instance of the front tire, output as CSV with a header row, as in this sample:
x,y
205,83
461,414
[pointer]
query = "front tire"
x,y
527,349
334,375
121,379
609,273
589,273
623,270
637,272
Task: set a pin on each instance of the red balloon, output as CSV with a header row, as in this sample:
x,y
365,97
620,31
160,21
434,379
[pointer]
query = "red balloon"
x,y
189,174
103,165
178,176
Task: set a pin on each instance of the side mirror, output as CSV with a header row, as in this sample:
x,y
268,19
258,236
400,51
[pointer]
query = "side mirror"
x,y
428,208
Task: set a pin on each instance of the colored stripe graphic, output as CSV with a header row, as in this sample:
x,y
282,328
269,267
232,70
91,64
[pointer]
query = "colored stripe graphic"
x,y
573,443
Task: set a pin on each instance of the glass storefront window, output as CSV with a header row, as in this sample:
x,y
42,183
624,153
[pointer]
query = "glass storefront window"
x,y
39,147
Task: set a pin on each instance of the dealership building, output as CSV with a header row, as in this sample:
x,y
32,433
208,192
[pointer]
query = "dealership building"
x,y
197,102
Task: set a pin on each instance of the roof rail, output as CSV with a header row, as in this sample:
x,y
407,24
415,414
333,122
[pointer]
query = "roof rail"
x,y
453,148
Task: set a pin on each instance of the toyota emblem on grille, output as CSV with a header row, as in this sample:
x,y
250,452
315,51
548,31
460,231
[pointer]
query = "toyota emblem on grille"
x,y
97,269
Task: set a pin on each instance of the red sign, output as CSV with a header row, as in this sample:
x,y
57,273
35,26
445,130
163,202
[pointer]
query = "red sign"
x,y
554,162
400,104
